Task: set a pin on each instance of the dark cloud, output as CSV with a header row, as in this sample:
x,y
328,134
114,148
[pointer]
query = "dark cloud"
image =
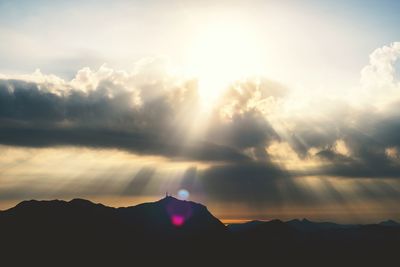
x,y
249,129
150,115
239,120
254,183
24,101
141,143
34,116
367,138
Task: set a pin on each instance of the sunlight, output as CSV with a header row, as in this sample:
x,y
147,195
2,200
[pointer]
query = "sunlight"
x,y
222,52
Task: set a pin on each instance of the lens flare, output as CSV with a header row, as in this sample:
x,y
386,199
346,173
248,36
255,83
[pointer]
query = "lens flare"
x,y
183,194
179,211
177,220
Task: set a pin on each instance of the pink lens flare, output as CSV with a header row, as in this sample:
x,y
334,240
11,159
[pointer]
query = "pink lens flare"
x,y
177,220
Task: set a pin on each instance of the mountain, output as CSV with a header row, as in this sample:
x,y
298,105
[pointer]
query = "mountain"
x,y
168,215
305,225
238,227
171,231
95,233
390,223
276,231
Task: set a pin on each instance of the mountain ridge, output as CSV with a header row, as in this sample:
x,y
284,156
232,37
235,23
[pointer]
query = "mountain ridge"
x,y
85,202
171,229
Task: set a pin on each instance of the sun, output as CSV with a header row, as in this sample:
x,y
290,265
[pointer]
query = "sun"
x,y
222,52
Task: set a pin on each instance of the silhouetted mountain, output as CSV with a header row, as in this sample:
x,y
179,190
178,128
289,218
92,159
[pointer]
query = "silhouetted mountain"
x,y
59,228
275,229
168,217
238,227
309,226
303,225
390,223
172,216
80,232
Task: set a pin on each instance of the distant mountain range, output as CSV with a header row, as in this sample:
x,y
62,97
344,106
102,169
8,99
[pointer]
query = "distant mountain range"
x,y
79,231
304,225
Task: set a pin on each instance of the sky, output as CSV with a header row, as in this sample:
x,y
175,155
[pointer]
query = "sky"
x,y
258,109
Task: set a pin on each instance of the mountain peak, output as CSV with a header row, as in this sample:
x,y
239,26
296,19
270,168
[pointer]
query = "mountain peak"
x,y
176,201
81,201
389,223
169,198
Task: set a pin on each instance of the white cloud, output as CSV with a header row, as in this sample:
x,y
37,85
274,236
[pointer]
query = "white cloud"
x,y
378,78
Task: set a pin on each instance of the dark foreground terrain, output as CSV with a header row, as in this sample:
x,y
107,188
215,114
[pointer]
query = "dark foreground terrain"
x,y
171,232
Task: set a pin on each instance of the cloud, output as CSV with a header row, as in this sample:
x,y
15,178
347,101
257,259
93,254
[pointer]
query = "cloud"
x,y
143,112
240,117
150,111
350,134
381,71
379,79
352,146
252,182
